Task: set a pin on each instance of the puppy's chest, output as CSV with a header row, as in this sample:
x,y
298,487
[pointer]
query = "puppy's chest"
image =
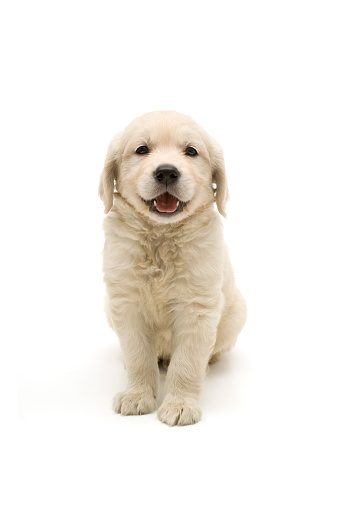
x,y
160,262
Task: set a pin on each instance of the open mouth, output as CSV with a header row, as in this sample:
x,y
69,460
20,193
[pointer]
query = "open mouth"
x,y
165,204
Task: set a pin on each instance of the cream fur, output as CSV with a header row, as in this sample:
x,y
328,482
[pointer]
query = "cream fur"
x,y
170,286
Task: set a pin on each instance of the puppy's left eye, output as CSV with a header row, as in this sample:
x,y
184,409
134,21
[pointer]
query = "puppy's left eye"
x,y
190,151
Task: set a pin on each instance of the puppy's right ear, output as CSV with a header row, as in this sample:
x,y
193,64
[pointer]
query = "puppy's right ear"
x,y
109,174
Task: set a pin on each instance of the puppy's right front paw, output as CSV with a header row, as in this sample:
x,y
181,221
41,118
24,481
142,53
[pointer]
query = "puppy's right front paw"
x,y
134,403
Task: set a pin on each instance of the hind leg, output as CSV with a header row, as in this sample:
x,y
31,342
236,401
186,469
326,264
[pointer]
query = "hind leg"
x,y
164,347
232,320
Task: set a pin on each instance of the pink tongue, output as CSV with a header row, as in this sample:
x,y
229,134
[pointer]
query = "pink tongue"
x,y
166,203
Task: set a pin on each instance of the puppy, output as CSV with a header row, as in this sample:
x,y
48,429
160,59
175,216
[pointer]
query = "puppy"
x,y
171,293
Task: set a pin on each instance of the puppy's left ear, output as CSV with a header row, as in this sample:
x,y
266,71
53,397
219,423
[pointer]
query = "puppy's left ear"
x,y
219,179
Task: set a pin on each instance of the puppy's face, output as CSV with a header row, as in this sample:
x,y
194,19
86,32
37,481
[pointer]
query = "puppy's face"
x,y
166,167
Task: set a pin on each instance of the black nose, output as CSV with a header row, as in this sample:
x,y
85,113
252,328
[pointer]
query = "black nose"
x,y
166,174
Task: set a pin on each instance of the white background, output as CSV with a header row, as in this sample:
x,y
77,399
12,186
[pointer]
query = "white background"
x,y
262,78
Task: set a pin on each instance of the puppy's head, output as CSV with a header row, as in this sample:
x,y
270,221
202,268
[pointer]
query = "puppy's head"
x,y
166,167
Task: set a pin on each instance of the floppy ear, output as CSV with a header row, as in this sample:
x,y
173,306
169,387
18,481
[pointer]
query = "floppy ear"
x,y
109,174
219,180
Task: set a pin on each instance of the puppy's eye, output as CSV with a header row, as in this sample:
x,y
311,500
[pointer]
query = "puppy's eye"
x,y
142,150
190,151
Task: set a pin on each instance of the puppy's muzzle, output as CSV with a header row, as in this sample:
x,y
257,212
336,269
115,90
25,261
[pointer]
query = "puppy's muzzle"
x,y
166,174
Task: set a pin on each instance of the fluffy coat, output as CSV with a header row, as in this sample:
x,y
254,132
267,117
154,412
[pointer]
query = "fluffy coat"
x,y
171,293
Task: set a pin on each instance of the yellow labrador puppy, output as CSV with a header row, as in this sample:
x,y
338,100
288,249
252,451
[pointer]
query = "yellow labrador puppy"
x,y
171,293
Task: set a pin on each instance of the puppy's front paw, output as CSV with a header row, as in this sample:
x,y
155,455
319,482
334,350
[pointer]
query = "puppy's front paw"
x,y
176,411
134,403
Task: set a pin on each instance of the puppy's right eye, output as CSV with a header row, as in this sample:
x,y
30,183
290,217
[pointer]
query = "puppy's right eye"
x,y
142,150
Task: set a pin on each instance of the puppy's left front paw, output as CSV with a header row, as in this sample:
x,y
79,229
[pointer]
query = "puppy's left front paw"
x,y
179,411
